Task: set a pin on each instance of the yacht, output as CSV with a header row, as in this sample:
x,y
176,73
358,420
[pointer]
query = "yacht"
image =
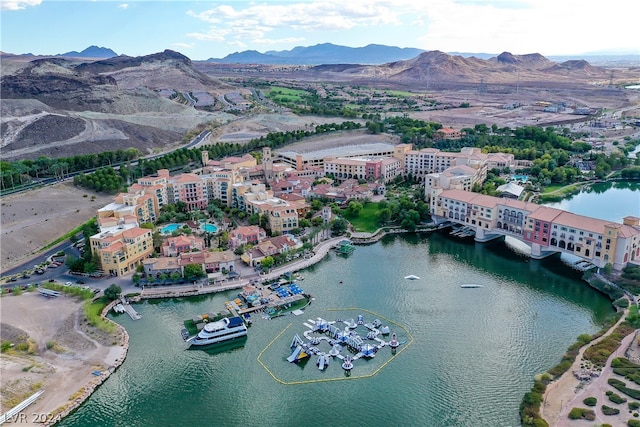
x,y
224,329
411,277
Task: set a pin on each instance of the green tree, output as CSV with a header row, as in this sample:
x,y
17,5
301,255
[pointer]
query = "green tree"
x,y
411,220
113,292
193,271
354,209
267,262
384,215
339,226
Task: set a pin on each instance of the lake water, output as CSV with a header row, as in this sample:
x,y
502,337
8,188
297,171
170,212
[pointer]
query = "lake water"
x,y
474,354
608,200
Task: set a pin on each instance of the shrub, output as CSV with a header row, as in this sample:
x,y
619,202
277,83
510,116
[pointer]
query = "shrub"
x,y
615,398
582,414
607,410
627,369
621,302
634,405
622,387
590,401
633,423
6,345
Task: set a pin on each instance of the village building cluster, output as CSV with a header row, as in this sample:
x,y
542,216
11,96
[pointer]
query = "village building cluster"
x,y
278,189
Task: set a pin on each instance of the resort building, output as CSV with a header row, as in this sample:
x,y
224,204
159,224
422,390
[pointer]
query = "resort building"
x,y
447,133
122,249
174,246
246,235
212,263
256,199
190,189
455,177
359,168
315,159
546,230
419,163
273,246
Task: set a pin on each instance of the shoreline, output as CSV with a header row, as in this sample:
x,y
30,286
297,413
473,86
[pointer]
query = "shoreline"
x,y
88,389
564,391
320,252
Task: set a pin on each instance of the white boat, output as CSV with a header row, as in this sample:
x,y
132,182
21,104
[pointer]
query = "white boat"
x,y
225,329
471,285
411,277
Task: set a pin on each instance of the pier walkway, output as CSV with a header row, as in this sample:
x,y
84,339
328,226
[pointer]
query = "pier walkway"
x,y
130,310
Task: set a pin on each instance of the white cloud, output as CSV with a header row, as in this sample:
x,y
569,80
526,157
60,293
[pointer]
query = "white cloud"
x,y
183,45
123,6
18,4
519,26
251,24
549,27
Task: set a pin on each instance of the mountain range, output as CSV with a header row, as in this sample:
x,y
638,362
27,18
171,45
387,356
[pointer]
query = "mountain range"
x,y
58,106
325,53
91,52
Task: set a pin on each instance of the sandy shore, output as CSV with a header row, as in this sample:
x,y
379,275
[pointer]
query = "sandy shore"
x,y
64,370
568,392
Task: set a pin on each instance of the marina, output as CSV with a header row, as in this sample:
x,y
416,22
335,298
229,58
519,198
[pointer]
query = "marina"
x,y
423,382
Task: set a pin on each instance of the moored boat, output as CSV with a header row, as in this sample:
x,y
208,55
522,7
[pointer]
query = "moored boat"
x,y
222,330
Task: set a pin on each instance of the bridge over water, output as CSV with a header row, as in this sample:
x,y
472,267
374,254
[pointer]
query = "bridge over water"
x,y
543,229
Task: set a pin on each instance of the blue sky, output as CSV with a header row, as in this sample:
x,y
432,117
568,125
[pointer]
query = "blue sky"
x,y
212,29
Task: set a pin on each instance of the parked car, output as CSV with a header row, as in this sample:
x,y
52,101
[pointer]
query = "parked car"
x,y
68,284
80,282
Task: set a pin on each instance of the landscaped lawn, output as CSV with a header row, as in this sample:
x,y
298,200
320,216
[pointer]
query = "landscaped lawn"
x,y
367,221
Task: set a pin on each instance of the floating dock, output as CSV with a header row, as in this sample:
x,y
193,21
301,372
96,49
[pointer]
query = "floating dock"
x,y
129,310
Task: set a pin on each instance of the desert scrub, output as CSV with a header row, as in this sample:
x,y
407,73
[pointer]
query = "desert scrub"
x,y
615,398
582,414
622,387
607,410
93,311
626,368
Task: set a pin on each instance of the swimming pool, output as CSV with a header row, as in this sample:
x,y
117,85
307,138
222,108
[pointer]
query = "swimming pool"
x,y
209,228
169,228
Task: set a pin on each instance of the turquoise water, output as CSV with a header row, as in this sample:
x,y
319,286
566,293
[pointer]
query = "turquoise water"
x,y
610,201
474,354
209,228
170,228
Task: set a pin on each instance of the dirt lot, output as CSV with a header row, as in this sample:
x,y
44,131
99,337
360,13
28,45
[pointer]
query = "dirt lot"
x,y
61,369
33,219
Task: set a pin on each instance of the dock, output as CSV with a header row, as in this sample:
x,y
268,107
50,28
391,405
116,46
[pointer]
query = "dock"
x,y
130,310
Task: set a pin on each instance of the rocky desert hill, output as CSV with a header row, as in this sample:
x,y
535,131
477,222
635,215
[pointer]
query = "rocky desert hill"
x,y
439,70
57,107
